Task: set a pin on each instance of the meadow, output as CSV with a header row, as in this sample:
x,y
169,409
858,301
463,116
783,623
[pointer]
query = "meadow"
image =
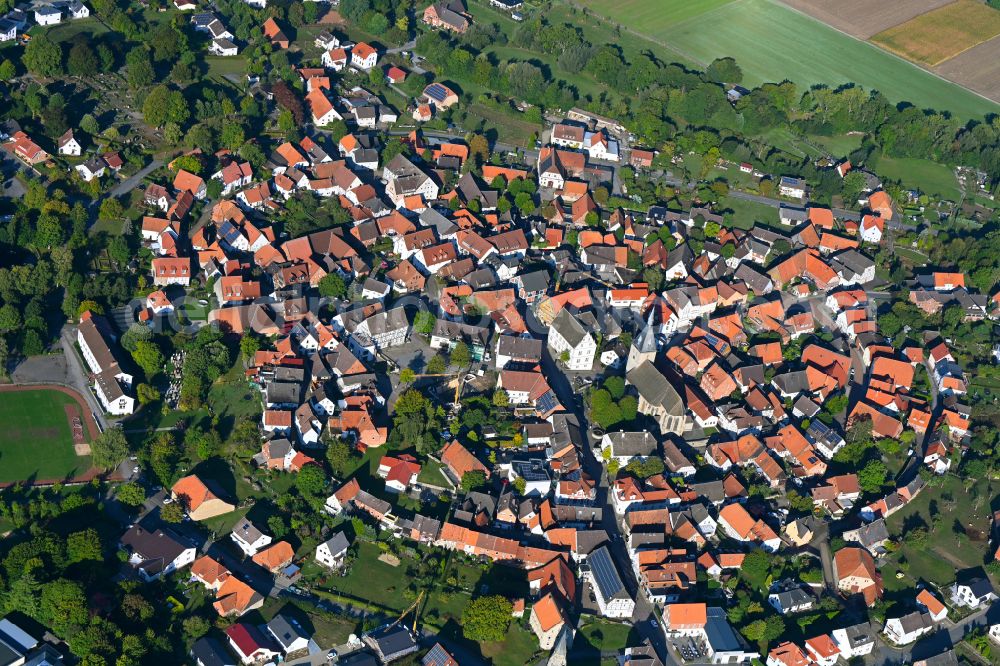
x,y
772,42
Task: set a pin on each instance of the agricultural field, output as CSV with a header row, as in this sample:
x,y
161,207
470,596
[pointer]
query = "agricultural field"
x,y
773,42
865,18
977,69
943,33
37,440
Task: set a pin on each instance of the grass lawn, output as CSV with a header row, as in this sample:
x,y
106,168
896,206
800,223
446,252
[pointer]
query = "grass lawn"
x,y
840,145
949,548
430,472
929,177
223,65
746,213
511,129
37,440
67,30
517,650
374,580
604,636
911,256
772,42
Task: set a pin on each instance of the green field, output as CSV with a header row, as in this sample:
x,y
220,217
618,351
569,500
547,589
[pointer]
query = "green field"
x,y
772,43
928,177
37,441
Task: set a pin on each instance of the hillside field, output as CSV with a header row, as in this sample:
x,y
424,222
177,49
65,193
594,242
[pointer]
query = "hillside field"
x,y
772,42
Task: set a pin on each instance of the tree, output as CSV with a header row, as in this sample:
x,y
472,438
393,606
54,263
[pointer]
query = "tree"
x,y
423,322
407,375
63,606
310,480
82,60
10,318
131,494
872,476
473,480
84,545
340,456
163,105
148,357
7,70
501,399
89,125
111,209
460,355
853,185
756,568
172,513
43,57
724,70
487,618
437,365
139,67
332,286
109,449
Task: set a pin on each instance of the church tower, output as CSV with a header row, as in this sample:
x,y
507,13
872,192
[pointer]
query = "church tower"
x,y
643,346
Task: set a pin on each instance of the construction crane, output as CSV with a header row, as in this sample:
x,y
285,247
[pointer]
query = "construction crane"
x,y
412,607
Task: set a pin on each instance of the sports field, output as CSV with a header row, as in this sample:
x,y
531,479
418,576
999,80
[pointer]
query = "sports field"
x,y
943,33
772,42
36,441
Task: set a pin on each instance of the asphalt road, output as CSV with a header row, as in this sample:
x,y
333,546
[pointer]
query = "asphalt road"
x,y
129,183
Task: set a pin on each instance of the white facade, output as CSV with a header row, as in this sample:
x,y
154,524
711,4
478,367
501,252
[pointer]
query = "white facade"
x,y
328,558
71,147
253,546
184,559
48,16
581,357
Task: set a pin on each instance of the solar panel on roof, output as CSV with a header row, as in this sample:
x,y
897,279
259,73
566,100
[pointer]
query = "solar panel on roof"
x,y
605,574
547,402
436,91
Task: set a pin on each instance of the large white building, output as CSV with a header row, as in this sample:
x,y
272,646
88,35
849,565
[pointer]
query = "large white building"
x,y
567,335
112,385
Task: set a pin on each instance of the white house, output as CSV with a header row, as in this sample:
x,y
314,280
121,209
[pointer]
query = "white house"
x,y
91,169
364,56
973,593
335,58
793,188
331,552
223,47
77,10
289,634
250,539
568,336
8,30
791,600
600,147
908,628
857,640
871,228
156,554
110,381
68,145
48,15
